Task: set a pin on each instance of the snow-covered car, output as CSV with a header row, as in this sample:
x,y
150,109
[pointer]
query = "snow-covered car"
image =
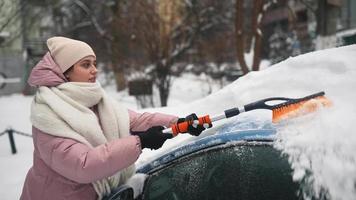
x,y
234,165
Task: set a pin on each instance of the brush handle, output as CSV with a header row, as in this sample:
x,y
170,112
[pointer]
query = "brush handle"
x,y
182,127
261,104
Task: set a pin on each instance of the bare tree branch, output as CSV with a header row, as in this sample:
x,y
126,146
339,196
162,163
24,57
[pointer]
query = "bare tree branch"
x,y
14,16
20,31
2,3
93,19
309,7
239,31
164,33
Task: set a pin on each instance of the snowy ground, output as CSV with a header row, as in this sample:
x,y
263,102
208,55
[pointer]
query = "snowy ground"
x,y
320,146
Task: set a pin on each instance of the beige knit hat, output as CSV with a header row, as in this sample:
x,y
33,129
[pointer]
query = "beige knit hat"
x,y
66,52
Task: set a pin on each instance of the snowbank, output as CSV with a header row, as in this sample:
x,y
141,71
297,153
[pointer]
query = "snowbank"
x,y
321,145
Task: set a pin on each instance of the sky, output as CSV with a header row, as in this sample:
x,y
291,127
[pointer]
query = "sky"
x,y
320,145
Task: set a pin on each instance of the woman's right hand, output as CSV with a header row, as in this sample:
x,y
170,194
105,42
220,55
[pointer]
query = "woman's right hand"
x,y
193,129
153,137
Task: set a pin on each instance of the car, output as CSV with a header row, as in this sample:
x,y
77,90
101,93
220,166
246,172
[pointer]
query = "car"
x,y
241,164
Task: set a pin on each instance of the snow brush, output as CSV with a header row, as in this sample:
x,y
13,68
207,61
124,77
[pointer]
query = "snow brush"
x,y
288,108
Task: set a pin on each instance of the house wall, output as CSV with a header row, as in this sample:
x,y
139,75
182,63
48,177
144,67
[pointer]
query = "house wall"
x,y
11,56
348,14
12,66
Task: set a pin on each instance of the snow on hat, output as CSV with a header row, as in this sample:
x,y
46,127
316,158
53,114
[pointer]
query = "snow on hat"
x,y
66,52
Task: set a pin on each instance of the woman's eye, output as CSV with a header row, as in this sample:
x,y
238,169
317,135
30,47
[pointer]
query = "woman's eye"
x,y
86,65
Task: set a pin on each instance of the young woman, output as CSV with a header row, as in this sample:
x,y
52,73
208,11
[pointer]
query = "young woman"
x,y
83,147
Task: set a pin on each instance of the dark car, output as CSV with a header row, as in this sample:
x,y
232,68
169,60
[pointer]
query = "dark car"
x,y
235,165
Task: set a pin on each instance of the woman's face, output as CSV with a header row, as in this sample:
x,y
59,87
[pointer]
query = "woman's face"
x,y
83,71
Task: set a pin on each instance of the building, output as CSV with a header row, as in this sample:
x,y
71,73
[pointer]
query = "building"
x,y
302,26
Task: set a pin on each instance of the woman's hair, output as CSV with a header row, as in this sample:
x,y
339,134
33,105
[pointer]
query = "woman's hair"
x,y
68,70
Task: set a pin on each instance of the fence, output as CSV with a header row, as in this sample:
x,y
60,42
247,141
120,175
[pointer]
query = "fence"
x,y
11,133
11,73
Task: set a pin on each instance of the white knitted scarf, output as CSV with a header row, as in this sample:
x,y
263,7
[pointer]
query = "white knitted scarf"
x,y
63,111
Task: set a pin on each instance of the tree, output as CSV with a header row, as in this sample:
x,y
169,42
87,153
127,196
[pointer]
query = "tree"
x,y
161,33
16,19
252,37
281,45
10,14
89,21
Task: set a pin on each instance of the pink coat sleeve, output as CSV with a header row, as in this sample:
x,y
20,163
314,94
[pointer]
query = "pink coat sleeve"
x,y
82,164
143,121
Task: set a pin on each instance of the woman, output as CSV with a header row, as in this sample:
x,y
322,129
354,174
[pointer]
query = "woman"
x,y
82,142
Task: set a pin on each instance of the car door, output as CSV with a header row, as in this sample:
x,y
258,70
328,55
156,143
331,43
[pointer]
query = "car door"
x,y
245,170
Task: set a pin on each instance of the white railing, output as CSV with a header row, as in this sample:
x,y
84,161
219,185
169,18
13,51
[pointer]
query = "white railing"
x,y
4,80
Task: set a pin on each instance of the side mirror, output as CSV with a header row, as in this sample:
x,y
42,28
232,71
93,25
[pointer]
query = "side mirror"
x,y
124,192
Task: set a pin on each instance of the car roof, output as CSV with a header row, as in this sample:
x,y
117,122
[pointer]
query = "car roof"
x,y
230,138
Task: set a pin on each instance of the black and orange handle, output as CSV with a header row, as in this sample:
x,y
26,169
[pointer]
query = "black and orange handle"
x,y
183,126
283,107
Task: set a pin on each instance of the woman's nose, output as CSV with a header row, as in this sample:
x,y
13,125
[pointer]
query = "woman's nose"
x,y
94,70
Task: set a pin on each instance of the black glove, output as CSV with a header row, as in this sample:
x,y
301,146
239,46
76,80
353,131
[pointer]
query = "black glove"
x,y
192,128
153,138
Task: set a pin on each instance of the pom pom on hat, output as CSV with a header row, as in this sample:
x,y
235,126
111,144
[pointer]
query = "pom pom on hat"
x,y
66,52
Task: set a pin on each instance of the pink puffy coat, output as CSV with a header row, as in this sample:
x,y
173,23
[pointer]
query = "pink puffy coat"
x,y
65,168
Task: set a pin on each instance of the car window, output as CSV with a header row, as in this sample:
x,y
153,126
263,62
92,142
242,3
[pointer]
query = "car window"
x,y
251,171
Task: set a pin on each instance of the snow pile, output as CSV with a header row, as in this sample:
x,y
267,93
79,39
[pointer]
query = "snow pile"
x,y
320,145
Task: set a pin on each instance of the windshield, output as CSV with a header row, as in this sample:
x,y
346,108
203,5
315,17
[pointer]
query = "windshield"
x,y
250,171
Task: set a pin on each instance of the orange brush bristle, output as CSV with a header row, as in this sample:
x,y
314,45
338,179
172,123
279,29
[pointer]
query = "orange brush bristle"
x,y
299,108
